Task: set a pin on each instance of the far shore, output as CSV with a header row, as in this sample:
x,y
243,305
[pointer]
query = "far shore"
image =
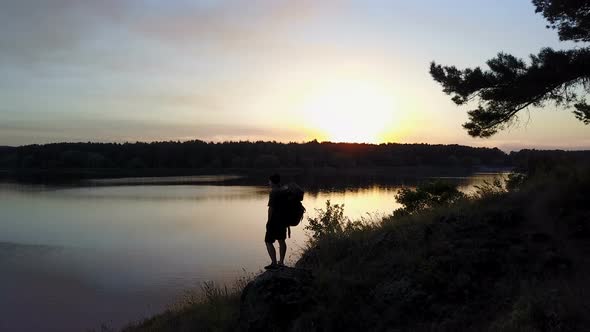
x,y
237,175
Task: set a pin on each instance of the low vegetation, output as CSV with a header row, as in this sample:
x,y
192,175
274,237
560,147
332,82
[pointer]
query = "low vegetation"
x,y
513,256
211,308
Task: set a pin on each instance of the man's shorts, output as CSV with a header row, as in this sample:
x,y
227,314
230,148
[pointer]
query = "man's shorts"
x,y
275,232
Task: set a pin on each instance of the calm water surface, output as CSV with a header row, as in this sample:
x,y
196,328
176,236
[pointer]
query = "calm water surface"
x,y
73,258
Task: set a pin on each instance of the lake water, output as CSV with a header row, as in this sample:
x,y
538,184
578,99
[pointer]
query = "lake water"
x,y
111,252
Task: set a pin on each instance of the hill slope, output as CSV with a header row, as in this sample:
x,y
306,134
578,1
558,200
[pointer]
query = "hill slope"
x,y
503,261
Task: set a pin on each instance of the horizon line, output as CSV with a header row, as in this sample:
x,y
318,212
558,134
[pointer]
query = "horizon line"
x,y
292,142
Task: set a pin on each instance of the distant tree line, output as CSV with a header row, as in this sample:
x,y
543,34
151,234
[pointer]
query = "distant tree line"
x,y
535,161
200,154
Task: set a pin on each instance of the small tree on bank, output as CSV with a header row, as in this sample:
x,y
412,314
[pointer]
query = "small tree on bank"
x,y
511,84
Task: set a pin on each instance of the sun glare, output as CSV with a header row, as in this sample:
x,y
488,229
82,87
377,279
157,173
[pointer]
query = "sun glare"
x,y
350,112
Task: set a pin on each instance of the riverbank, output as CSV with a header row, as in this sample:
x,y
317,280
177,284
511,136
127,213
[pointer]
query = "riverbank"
x,y
504,259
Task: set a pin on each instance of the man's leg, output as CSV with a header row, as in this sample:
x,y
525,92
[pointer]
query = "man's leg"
x,y
271,252
282,251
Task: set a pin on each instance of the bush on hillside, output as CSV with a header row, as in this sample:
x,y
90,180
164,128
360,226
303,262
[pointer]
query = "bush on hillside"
x,y
425,196
331,222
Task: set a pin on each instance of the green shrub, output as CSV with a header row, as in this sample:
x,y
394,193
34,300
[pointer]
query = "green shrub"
x,y
330,221
425,196
490,189
515,181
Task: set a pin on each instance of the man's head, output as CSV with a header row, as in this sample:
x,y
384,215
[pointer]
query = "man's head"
x,y
275,179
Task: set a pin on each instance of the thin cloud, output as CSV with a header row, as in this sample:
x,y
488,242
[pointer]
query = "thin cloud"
x,y
58,31
46,31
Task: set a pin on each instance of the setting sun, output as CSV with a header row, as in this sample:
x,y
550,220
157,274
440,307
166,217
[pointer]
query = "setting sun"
x,y
350,111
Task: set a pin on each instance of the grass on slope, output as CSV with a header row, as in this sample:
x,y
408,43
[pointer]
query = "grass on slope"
x,y
500,260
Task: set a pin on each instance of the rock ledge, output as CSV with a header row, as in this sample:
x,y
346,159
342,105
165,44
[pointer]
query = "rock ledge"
x,y
274,300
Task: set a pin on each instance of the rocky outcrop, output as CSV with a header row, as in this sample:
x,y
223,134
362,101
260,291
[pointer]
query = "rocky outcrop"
x,y
276,299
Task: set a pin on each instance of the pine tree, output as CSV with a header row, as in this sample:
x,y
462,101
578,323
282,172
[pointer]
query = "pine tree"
x,y
511,84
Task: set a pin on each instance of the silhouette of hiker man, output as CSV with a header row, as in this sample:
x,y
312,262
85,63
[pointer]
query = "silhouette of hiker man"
x,y
275,230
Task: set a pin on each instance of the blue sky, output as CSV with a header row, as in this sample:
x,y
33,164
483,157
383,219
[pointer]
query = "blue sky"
x,y
219,70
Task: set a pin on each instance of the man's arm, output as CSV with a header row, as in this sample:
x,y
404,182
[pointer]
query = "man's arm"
x,y
269,213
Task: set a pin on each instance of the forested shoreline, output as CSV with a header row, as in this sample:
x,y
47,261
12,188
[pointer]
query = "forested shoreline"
x,y
193,155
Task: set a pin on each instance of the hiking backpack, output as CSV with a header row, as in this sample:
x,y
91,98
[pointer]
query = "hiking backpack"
x,y
292,209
